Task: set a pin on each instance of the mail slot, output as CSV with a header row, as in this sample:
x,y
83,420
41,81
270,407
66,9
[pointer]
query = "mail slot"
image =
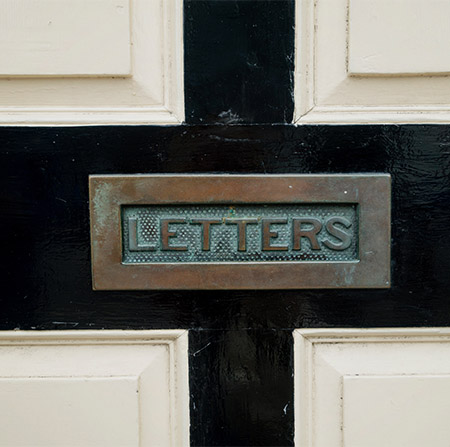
x,y
256,233
237,232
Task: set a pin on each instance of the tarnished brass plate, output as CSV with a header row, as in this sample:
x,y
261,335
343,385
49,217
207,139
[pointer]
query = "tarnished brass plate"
x,y
240,232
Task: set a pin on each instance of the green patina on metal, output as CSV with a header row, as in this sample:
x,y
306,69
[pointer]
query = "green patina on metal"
x,y
271,233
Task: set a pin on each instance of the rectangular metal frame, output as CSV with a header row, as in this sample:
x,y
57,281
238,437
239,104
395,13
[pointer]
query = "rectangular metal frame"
x,y
108,193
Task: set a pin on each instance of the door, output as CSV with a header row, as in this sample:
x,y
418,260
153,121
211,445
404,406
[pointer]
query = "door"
x,y
206,86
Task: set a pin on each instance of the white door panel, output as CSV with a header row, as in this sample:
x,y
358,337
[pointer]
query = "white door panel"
x,y
372,388
65,38
372,61
74,62
395,37
71,411
396,410
94,388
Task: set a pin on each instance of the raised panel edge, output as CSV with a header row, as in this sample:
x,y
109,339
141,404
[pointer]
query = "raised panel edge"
x,y
306,110
176,340
305,341
171,112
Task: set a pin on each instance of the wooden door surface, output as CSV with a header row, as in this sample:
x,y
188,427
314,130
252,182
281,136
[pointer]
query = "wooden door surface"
x,y
251,105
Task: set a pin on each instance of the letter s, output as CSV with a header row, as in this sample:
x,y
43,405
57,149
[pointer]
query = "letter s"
x,y
338,233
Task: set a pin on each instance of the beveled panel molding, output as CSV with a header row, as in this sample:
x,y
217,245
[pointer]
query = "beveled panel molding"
x,y
372,61
113,62
372,387
103,388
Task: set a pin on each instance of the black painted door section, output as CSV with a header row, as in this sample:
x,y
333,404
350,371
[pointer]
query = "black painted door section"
x,y
238,87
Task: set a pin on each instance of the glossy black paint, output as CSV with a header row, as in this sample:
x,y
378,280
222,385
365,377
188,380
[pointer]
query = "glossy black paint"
x,y
241,383
244,397
239,61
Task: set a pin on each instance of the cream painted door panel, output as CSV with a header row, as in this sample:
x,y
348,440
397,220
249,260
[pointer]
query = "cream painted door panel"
x,y
94,388
372,61
91,62
398,37
372,388
65,38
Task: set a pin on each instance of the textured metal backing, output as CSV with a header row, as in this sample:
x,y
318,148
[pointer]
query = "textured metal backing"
x,y
224,237
364,199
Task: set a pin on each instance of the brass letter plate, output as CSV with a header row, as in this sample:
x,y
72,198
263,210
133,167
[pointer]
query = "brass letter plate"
x,y
240,231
